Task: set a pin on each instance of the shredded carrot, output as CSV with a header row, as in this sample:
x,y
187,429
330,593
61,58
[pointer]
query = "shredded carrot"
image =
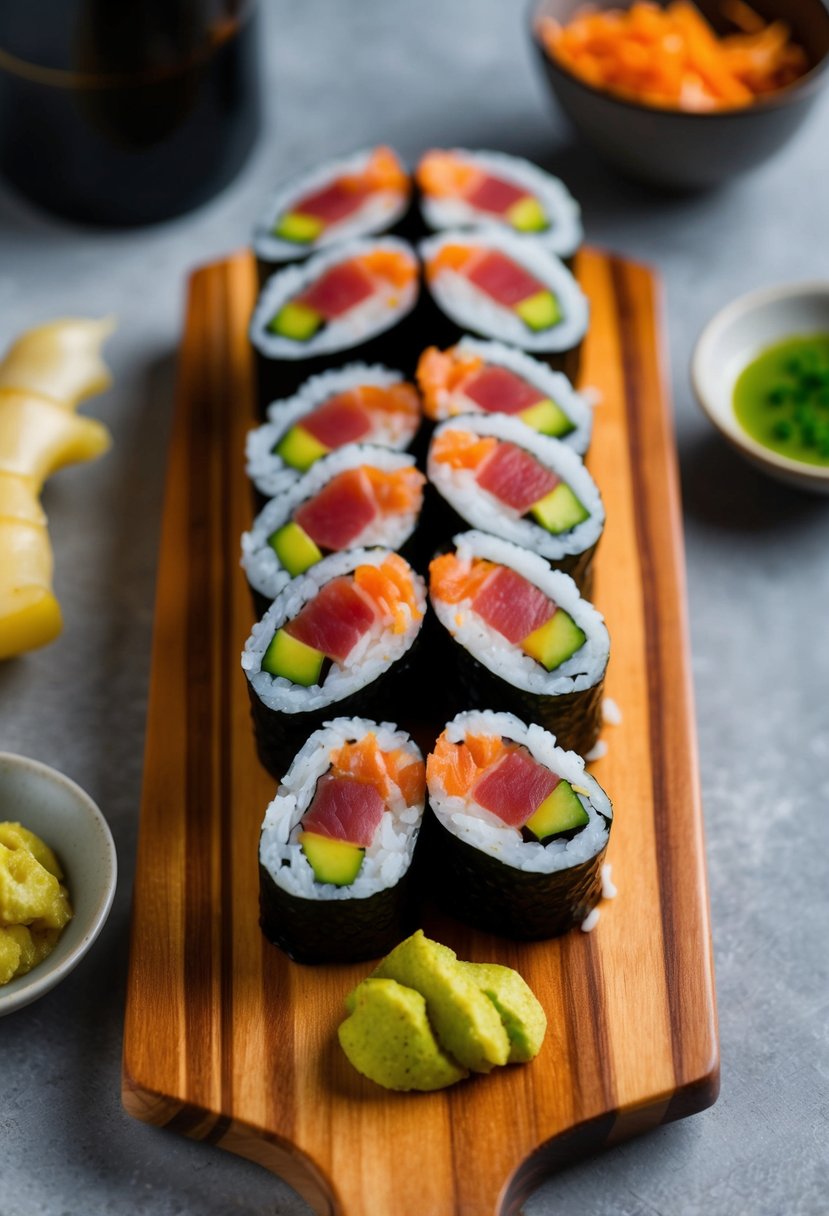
x,y
671,57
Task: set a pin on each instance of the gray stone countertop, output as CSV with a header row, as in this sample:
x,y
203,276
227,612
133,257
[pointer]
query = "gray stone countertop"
x,y
340,76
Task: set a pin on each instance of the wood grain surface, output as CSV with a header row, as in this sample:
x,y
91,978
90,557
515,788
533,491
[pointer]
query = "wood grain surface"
x,y
226,1040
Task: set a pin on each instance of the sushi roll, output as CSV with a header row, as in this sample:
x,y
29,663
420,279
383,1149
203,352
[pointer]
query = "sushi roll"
x,y
357,196
495,474
522,828
352,404
520,638
462,189
337,843
498,285
354,498
338,636
476,377
339,300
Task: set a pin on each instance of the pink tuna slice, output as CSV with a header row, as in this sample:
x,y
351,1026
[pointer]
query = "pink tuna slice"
x,y
512,605
495,195
515,788
340,512
515,477
337,422
499,391
345,809
334,621
503,279
338,290
331,203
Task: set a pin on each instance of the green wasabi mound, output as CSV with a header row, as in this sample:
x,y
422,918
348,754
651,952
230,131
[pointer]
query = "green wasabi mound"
x,y
466,1022
518,1007
388,1038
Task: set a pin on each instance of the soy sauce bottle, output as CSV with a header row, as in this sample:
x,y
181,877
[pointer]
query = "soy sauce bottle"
x,y
123,112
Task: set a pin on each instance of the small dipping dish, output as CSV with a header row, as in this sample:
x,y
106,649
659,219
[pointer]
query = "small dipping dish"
x,y
732,340
66,818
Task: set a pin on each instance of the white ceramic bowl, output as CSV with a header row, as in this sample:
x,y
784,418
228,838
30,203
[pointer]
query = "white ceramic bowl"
x,y
59,811
730,341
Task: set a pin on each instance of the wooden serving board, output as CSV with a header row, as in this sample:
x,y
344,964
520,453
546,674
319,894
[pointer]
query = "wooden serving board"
x,y
226,1039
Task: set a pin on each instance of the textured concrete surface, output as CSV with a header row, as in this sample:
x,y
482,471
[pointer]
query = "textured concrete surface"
x,y
340,76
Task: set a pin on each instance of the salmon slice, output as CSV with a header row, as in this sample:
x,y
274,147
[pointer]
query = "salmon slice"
x,y
515,477
390,587
495,195
497,390
344,809
396,491
340,420
515,788
366,761
457,766
503,280
334,621
512,605
336,516
462,450
444,175
408,775
451,580
399,398
338,290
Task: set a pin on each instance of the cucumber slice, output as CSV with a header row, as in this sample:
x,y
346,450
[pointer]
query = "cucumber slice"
x,y
554,641
561,811
294,548
288,657
527,215
334,861
560,510
296,321
299,449
547,418
302,229
540,311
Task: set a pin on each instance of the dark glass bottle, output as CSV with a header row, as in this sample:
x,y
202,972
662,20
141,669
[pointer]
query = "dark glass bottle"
x,y
126,111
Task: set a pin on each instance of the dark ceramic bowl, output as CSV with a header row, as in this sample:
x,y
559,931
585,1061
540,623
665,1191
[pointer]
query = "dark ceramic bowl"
x,y
689,151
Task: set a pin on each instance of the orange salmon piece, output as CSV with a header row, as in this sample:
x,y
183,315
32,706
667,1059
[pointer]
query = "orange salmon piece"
x,y
396,399
452,580
443,371
390,265
444,175
462,450
398,490
408,775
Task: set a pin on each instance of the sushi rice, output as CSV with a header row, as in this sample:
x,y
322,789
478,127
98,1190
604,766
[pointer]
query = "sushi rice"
x,y
390,853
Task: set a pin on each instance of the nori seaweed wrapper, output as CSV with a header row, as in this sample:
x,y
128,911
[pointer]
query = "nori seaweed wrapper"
x,y
497,898
575,718
336,930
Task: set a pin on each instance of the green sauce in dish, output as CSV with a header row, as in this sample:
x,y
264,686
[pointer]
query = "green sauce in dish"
x,y
782,398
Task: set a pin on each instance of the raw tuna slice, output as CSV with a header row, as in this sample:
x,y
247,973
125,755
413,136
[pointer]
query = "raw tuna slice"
x,y
515,477
503,280
338,421
334,621
515,788
499,391
344,809
512,605
339,290
340,512
495,195
333,202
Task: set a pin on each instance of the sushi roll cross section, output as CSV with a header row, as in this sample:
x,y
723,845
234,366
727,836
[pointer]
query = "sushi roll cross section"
x,y
357,497
336,634
505,288
337,843
522,638
353,404
359,195
336,299
488,377
522,827
498,475
463,189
